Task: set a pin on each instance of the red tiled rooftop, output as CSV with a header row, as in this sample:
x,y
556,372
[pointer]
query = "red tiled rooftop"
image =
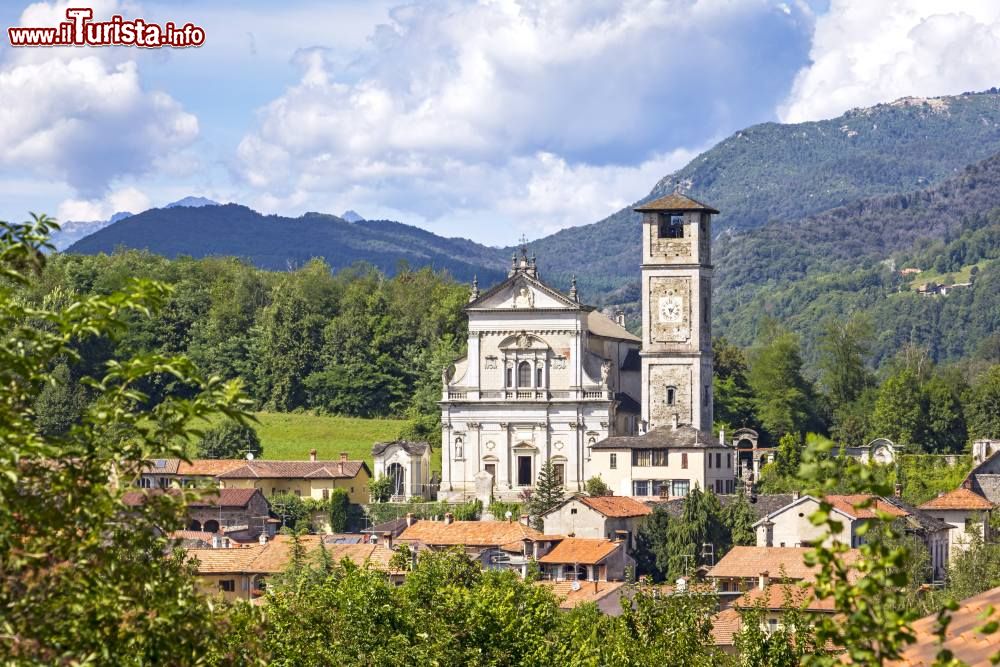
x,y
616,506
848,505
581,551
468,533
959,499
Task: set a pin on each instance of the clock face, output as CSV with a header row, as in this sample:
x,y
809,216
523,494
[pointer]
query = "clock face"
x,y
670,309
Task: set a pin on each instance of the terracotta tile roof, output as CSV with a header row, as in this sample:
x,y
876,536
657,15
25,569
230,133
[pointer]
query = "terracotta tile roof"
x,y
846,504
160,466
468,533
581,550
962,638
225,561
192,535
725,626
750,562
616,506
208,467
588,591
959,499
138,497
781,596
263,469
225,498
675,202
274,556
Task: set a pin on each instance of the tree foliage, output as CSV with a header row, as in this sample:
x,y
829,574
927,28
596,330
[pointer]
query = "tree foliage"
x,y
230,440
85,579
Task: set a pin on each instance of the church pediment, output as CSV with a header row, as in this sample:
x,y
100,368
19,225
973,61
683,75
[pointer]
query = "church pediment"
x,y
520,292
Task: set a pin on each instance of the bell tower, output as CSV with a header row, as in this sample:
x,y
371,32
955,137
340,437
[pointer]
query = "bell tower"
x,y
676,312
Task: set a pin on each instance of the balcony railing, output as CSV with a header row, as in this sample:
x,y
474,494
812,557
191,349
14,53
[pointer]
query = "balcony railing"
x,y
592,394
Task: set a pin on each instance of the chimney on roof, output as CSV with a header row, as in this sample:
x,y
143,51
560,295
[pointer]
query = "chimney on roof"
x,y
409,519
722,436
674,421
620,318
524,519
795,495
312,454
448,518
343,457
387,539
763,580
262,540
340,467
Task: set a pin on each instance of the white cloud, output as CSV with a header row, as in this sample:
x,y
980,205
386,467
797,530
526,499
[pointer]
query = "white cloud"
x,y
549,112
128,199
868,52
81,115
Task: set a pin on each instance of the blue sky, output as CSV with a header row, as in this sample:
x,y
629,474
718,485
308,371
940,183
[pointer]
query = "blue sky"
x,y
478,119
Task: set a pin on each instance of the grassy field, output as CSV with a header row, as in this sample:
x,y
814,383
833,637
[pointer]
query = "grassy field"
x,y
291,436
960,276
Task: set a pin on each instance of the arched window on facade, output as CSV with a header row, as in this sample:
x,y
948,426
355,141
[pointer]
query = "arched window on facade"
x,y
524,375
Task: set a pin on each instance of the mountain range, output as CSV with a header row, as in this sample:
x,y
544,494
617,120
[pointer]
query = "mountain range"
x,y
799,202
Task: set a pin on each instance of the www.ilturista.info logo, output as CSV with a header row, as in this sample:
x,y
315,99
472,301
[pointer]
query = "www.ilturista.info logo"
x,y
80,30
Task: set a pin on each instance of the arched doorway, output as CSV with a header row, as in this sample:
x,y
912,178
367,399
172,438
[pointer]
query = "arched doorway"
x,y
397,474
194,525
211,526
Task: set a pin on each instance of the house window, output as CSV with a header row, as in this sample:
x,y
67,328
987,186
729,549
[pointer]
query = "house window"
x,y
718,459
671,395
539,377
650,457
660,487
709,457
510,377
729,460
684,460
680,487
227,585
640,487
572,511
524,477
614,462
671,227
523,375
326,494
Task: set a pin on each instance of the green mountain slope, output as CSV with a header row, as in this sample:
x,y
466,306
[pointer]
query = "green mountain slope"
x,y
786,172
275,242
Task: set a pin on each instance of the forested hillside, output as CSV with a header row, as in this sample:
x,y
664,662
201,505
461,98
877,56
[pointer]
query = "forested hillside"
x,y
781,172
353,343
279,243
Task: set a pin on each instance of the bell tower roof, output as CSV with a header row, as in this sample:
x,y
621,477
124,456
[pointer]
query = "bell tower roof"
x,y
675,202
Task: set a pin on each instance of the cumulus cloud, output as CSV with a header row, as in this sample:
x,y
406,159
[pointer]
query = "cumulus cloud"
x,y
127,199
81,115
867,52
458,108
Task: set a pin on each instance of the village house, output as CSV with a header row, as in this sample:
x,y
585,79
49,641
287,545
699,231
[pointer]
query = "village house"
x,y
242,572
498,545
178,473
967,512
790,526
597,516
408,465
773,602
235,510
571,594
984,478
746,568
308,479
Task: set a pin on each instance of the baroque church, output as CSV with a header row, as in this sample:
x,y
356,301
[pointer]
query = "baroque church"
x,y
548,378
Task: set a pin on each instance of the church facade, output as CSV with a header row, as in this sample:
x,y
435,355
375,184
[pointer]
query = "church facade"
x,y
545,379
549,379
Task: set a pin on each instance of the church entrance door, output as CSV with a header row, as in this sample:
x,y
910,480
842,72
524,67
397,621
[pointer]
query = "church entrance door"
x,y
524,477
